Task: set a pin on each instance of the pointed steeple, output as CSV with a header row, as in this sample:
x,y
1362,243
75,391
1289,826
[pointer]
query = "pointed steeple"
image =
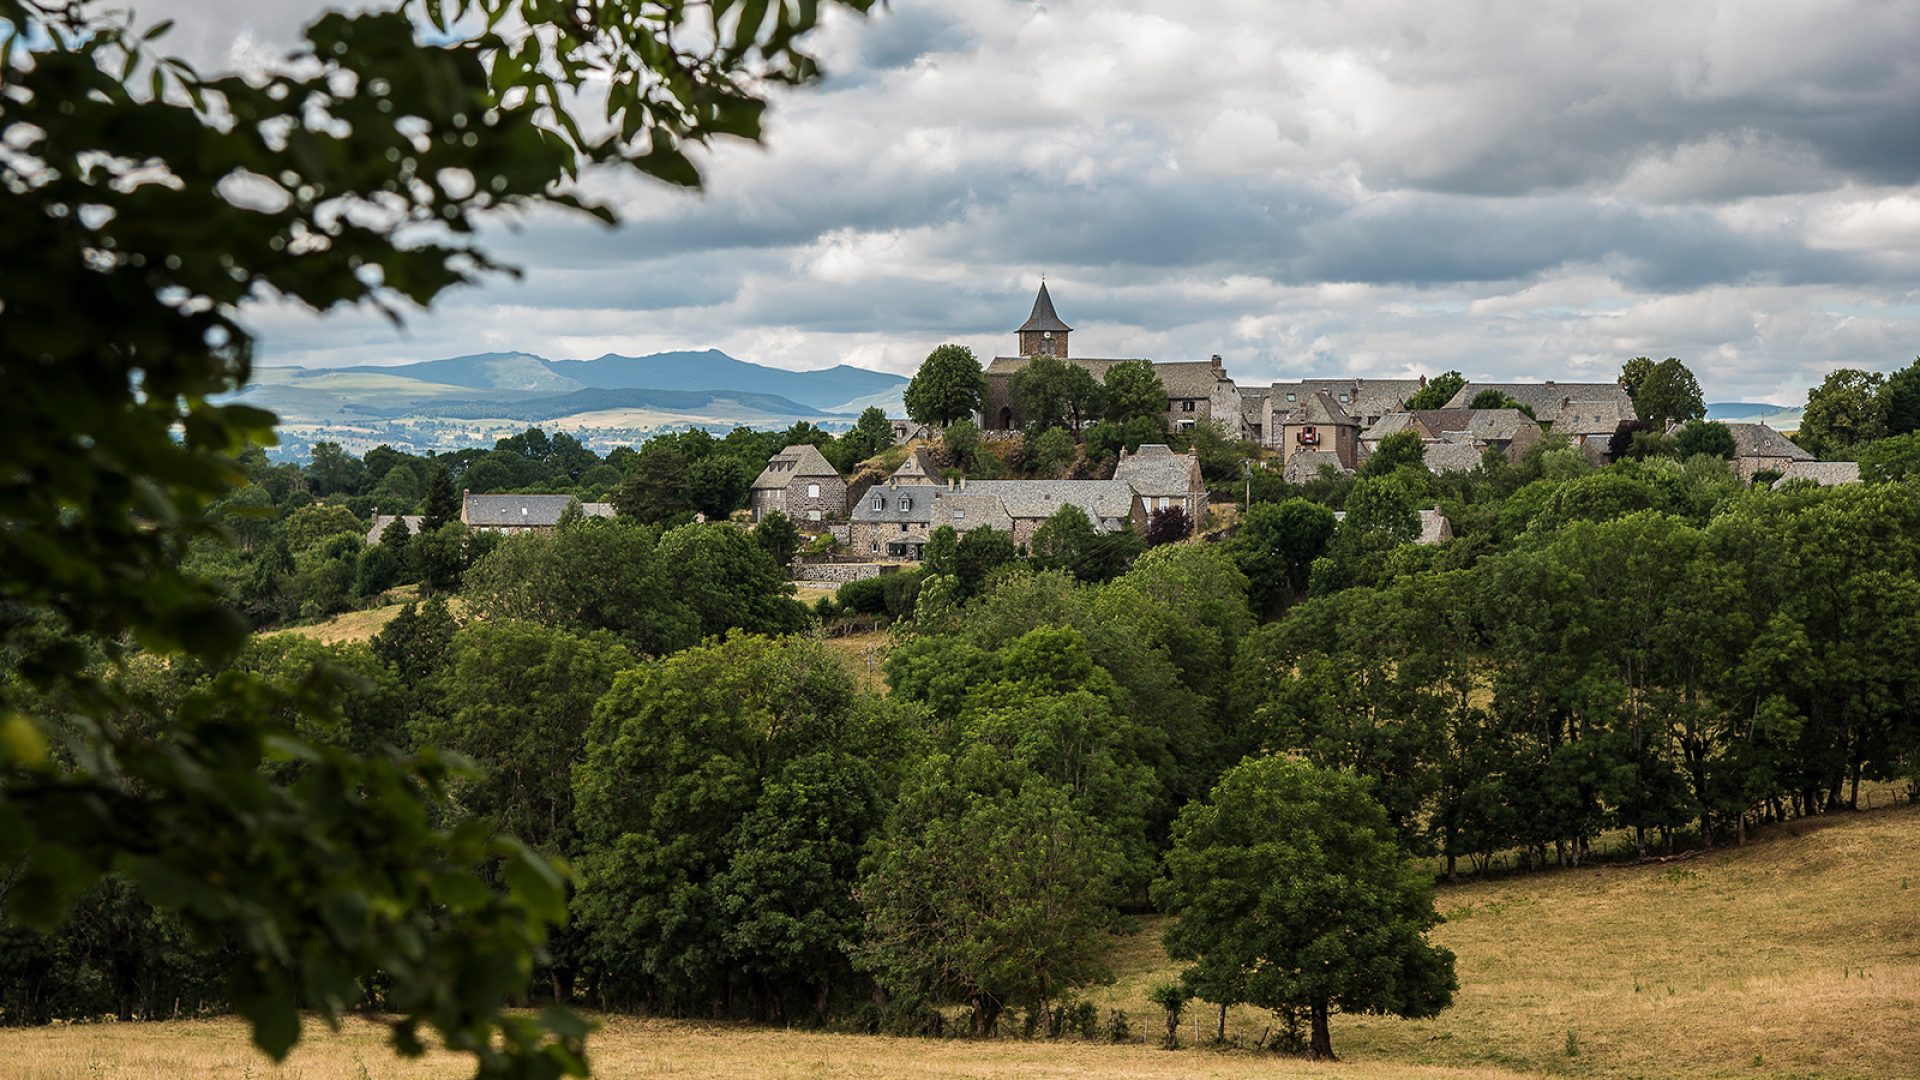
x,y
1043,334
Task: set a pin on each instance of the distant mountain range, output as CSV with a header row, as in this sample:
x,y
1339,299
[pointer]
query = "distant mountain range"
x,y
1778,417
470,400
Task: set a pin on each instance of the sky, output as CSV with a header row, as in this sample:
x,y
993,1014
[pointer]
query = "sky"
x,y
1354,187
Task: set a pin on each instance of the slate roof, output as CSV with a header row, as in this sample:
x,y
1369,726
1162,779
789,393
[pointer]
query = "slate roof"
x,y
381,521
1034,499
1434,526
523,511
918,468
1320,408
1453,425
1181,378
1445,457
1304,465
1549,400
1155,470
804,459
965,511
907,502
1588,417
1043,317
1824,473
1761,441
1364,397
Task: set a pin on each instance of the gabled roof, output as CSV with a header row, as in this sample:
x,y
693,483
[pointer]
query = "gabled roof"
x,y
1180,378
523,511
1036,499
382,521
1761,441
1824,473
1155,470
1043,317
1320,408
1305,465
1445,457
1453,425
1434,526
803,459
911,503
1360,398
917,469
1548,399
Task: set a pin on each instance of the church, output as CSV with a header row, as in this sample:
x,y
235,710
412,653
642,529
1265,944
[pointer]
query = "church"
x,y
1197,391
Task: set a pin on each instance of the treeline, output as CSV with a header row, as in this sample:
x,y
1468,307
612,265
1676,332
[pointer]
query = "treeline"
x,y
1096,726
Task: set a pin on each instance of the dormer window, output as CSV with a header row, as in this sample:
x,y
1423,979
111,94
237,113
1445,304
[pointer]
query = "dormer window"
x,y
1293,397
906,503
879,502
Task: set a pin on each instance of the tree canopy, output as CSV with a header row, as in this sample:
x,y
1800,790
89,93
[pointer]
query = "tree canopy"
x,y
947,387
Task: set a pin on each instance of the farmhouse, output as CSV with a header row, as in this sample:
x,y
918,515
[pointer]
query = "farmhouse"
x,y
521,513
1162,480
1759,448
799,483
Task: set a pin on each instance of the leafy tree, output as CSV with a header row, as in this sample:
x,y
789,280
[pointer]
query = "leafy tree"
x,y
441,556
718,484
656,488
314,523
1068,541
1106,439
1022,920
977,554
947,388
516,698
1704,437
1491,398
1668,391
870,434
415,642
442,504
1288,892
333,471
723,793
1634,374
779,536
1902,394
1053,393
603,575
1400,449
1133,391
962,441
1846,410
1438,391
730,581
1896,457
1050,452
1275,546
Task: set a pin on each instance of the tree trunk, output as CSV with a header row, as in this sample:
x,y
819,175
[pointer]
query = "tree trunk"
x,y
1321,1048
1220,1034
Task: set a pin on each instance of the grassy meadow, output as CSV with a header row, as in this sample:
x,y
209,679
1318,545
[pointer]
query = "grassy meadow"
x,y
1796,956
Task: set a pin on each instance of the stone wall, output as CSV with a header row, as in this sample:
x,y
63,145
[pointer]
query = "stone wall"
x,y
840,572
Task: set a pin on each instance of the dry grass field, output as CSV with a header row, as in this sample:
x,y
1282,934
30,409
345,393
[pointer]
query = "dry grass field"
x,y
1796,956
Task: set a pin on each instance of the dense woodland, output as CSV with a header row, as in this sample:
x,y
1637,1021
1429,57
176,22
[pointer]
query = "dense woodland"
x,y
1649,652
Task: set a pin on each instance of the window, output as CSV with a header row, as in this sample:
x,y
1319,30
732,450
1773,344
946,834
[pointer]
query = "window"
x,y
959,515
1186,406
1343,399
1293,397
1163,502
879,502
813,491
813,515
906,503
876,545
903,526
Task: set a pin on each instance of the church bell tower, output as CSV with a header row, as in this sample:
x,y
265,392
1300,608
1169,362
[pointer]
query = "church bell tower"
x,y
1044,334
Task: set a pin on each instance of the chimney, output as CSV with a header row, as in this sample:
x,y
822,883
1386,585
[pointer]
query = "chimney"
x,y
1423,382
1549,382
1219,366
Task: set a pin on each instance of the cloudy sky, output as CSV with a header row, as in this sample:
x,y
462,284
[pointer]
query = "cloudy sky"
x,y
1371,187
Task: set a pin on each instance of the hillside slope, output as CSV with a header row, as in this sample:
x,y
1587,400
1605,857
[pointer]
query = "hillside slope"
x,y
1797,955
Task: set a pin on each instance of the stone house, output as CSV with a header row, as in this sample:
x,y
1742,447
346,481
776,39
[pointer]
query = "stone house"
x,y
891,520
1585,413
799,483
1363,401
1319,425
1026,504
1162,479
382,521
1824,473
1757,448
521,513
1457,439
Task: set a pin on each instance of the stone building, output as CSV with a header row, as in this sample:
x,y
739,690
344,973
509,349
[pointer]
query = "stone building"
x,y
1197,391
1586,414
1317,426
521,513
1268,412
891,520
1457,439
1162,479
799,483
1758,448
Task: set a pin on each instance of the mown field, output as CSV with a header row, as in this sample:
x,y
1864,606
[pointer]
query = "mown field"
x,y
1798,955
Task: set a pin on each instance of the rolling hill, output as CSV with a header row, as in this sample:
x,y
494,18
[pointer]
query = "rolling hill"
x,y
471,400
